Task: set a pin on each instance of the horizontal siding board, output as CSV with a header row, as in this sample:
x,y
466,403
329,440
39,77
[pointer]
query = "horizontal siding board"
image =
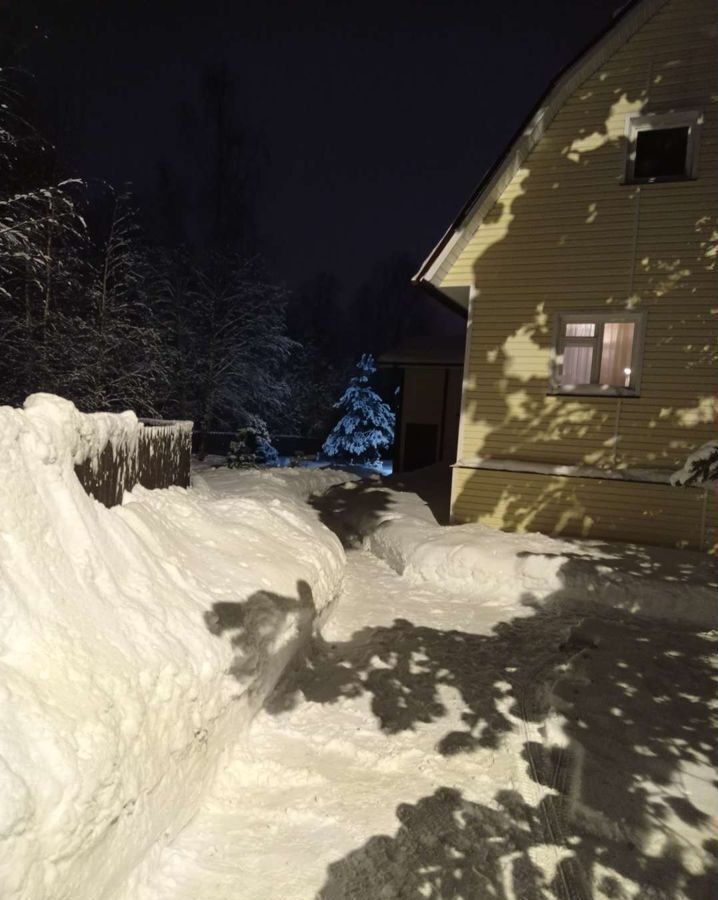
x,y
566,235
597,509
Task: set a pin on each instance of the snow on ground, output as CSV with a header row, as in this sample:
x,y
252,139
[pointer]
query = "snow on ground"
x,y
496,567
437,745
117,629
456,729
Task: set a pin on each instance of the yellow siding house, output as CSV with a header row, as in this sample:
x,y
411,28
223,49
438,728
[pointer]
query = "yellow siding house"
x,y
586,261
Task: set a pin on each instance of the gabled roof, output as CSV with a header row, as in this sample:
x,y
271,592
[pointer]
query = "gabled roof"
x,y
624,24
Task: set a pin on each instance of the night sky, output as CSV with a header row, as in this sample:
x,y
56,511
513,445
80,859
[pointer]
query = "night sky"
x,y
374,121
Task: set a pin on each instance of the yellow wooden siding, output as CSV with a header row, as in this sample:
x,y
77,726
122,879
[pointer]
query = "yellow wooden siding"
x,y
587,507
567,235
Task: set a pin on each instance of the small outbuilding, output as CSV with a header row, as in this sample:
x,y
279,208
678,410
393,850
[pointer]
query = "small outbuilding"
x,y
427,424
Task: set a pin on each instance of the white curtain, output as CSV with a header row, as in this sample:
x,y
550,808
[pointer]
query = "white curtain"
x,y
616,353
576,364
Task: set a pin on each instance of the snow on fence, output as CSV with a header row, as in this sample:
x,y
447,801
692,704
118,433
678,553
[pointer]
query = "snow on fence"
x,y
154,453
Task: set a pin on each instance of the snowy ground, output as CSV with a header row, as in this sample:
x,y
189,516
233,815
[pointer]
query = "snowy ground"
x,y
117,630
473,716
500,744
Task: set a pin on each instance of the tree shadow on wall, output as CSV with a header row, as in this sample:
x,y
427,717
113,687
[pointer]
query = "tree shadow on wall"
x,y
570,235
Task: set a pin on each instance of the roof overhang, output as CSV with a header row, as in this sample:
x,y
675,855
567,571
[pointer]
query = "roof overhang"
x,y
430,276
446,351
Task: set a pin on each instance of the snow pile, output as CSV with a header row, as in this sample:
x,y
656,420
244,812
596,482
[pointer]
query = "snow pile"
x,y
534,569
434,747
135,644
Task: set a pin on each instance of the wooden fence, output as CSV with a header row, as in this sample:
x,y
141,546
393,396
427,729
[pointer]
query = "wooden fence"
x,y
217,443
156,455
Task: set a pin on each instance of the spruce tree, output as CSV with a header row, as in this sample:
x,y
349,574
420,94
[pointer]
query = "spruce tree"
x,y
367,426
252,446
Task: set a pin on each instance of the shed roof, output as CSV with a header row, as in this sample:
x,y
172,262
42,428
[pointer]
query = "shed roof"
x,y
442,350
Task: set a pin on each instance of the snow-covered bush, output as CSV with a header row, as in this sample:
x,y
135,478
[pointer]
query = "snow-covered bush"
x,y
297,459
367,426
700,467
252,446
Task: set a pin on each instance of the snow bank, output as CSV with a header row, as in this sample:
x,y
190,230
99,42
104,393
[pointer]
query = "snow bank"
x,y
135,644
498,567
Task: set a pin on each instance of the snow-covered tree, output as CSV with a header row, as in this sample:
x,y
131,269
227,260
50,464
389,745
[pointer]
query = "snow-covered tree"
x,y
89,312
113,355
367,426
41,238
130,351
239,345
252,446
700,467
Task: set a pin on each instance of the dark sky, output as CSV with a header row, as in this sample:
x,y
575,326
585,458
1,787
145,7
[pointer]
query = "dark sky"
x,y
377,119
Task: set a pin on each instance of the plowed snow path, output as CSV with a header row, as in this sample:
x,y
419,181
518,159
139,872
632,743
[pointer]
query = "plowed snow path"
x,y
434,747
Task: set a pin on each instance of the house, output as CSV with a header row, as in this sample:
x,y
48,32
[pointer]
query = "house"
x,y
586,263
427,422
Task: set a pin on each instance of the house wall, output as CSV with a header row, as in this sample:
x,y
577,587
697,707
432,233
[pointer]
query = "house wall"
x,y
565,236
587,507
451,414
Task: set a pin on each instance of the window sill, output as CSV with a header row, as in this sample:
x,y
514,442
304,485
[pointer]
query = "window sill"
x,y
630,182
593,391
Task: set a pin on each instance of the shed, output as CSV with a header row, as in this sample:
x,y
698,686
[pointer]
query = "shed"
x,y
430,372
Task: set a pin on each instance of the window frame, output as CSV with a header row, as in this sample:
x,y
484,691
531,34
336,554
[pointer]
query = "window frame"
x,y
637,122
599,318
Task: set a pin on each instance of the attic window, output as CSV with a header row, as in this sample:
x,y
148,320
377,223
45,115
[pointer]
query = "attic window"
x,y
662,147
598,353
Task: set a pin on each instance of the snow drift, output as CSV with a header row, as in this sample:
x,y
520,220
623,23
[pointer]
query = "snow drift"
x,y
493,566
117,631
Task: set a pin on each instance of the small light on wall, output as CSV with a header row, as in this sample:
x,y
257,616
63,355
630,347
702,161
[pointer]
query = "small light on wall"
x,y
627,373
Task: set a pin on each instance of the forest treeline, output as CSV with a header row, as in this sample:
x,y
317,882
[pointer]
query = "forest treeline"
x,y
165,304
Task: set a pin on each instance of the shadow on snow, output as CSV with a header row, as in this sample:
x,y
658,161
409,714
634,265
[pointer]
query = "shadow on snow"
x,y
634,700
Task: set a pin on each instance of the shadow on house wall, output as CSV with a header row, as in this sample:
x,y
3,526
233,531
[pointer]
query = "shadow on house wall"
x,y
568,236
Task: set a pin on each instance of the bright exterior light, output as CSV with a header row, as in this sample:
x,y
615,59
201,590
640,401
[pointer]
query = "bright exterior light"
x,y
627,371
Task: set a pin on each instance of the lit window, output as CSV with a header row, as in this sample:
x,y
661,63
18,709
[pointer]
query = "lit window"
x,y
598,353
662,147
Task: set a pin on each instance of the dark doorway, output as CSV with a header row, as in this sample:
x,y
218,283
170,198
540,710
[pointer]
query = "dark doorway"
x,y
420,445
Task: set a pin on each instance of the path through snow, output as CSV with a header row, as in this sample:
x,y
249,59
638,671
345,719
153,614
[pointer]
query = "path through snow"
x,y
434,747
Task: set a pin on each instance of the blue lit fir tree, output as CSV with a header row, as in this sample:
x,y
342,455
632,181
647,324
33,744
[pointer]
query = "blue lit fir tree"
x,y
367,426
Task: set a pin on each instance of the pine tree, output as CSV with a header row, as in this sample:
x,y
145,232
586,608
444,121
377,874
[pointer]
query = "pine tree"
x,y
367,426
252,446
